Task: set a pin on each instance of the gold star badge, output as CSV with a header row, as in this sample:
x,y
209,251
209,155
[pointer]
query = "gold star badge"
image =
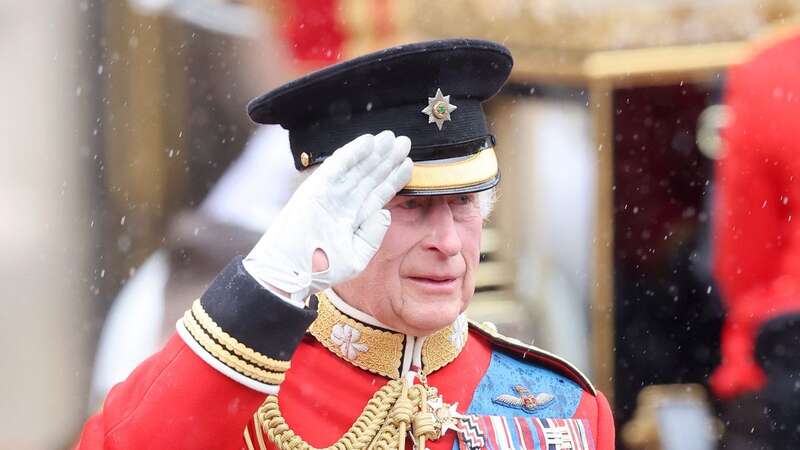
x,y
445,416
439,109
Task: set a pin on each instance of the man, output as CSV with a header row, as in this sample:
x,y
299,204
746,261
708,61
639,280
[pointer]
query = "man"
x,y
385,233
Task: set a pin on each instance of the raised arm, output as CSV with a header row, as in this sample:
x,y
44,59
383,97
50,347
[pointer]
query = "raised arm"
x,y
235,343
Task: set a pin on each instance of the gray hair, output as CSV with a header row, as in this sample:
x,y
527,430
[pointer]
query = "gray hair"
x,y
486,201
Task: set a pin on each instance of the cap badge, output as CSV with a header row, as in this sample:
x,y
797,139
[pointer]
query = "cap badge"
x,y
439,109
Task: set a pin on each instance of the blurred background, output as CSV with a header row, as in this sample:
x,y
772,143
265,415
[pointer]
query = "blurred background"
x,y
643,230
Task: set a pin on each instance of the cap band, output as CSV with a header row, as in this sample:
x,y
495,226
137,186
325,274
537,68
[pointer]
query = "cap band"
x,y
474,173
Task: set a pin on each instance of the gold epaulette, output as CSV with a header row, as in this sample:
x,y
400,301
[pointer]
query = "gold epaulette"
x,y
534,354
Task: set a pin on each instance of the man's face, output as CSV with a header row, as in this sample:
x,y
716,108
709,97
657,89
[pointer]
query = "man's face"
x,y
423,275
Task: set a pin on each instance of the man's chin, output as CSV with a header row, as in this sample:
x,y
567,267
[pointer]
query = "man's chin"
x,y
423,317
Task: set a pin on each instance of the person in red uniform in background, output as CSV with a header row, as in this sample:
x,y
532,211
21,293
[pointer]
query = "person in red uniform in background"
x,y
344,325
757,214
757,250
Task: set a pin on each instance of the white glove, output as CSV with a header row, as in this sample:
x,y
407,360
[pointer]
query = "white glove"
x,y
338,210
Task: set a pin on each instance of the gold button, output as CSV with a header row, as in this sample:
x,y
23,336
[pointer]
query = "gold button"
x,y
305,159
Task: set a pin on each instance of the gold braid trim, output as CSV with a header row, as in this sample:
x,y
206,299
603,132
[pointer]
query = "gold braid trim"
x,y
384,349
233,345
441,348
381,351
247,440
225,357
382,425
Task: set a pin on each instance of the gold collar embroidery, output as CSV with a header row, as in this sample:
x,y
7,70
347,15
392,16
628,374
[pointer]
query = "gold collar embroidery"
x,y
382,351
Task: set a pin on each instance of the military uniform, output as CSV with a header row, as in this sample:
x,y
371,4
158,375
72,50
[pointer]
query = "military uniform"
x,y
252,368
757,253
206,388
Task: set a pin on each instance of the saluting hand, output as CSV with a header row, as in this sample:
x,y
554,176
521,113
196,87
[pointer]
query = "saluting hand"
x,y
339,211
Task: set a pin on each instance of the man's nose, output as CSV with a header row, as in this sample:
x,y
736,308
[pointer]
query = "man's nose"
x,y
442,236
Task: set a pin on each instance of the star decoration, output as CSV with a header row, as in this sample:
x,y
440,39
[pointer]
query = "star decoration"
x,y
439,109
444,414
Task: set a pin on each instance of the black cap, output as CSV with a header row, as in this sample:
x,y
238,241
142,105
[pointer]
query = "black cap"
x,y
429,91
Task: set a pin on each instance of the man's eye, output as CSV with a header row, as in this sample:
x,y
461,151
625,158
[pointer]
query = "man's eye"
x,y
463,200
410,204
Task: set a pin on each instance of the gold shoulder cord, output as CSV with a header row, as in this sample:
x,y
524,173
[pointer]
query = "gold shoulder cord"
x,y
392,410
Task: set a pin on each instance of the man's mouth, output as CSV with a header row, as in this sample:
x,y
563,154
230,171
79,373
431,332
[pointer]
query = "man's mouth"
x,y
435,283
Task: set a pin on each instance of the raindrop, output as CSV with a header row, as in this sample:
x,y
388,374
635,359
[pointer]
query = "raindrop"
x,y
124,243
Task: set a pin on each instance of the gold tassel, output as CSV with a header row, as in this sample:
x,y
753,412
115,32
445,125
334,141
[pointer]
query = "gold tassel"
x,y
382,425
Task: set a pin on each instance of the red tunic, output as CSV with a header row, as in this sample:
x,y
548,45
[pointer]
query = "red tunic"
x,y
177,400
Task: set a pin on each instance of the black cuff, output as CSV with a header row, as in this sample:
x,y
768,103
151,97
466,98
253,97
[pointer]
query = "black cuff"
x,y
253,315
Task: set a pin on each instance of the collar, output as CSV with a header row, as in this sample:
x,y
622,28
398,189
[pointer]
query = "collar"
x,y
368,344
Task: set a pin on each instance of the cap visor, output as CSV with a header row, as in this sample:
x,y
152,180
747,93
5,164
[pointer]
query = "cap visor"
x,y
475,173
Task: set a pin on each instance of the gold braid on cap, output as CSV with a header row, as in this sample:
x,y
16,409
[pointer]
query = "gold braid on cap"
x,y
392,410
